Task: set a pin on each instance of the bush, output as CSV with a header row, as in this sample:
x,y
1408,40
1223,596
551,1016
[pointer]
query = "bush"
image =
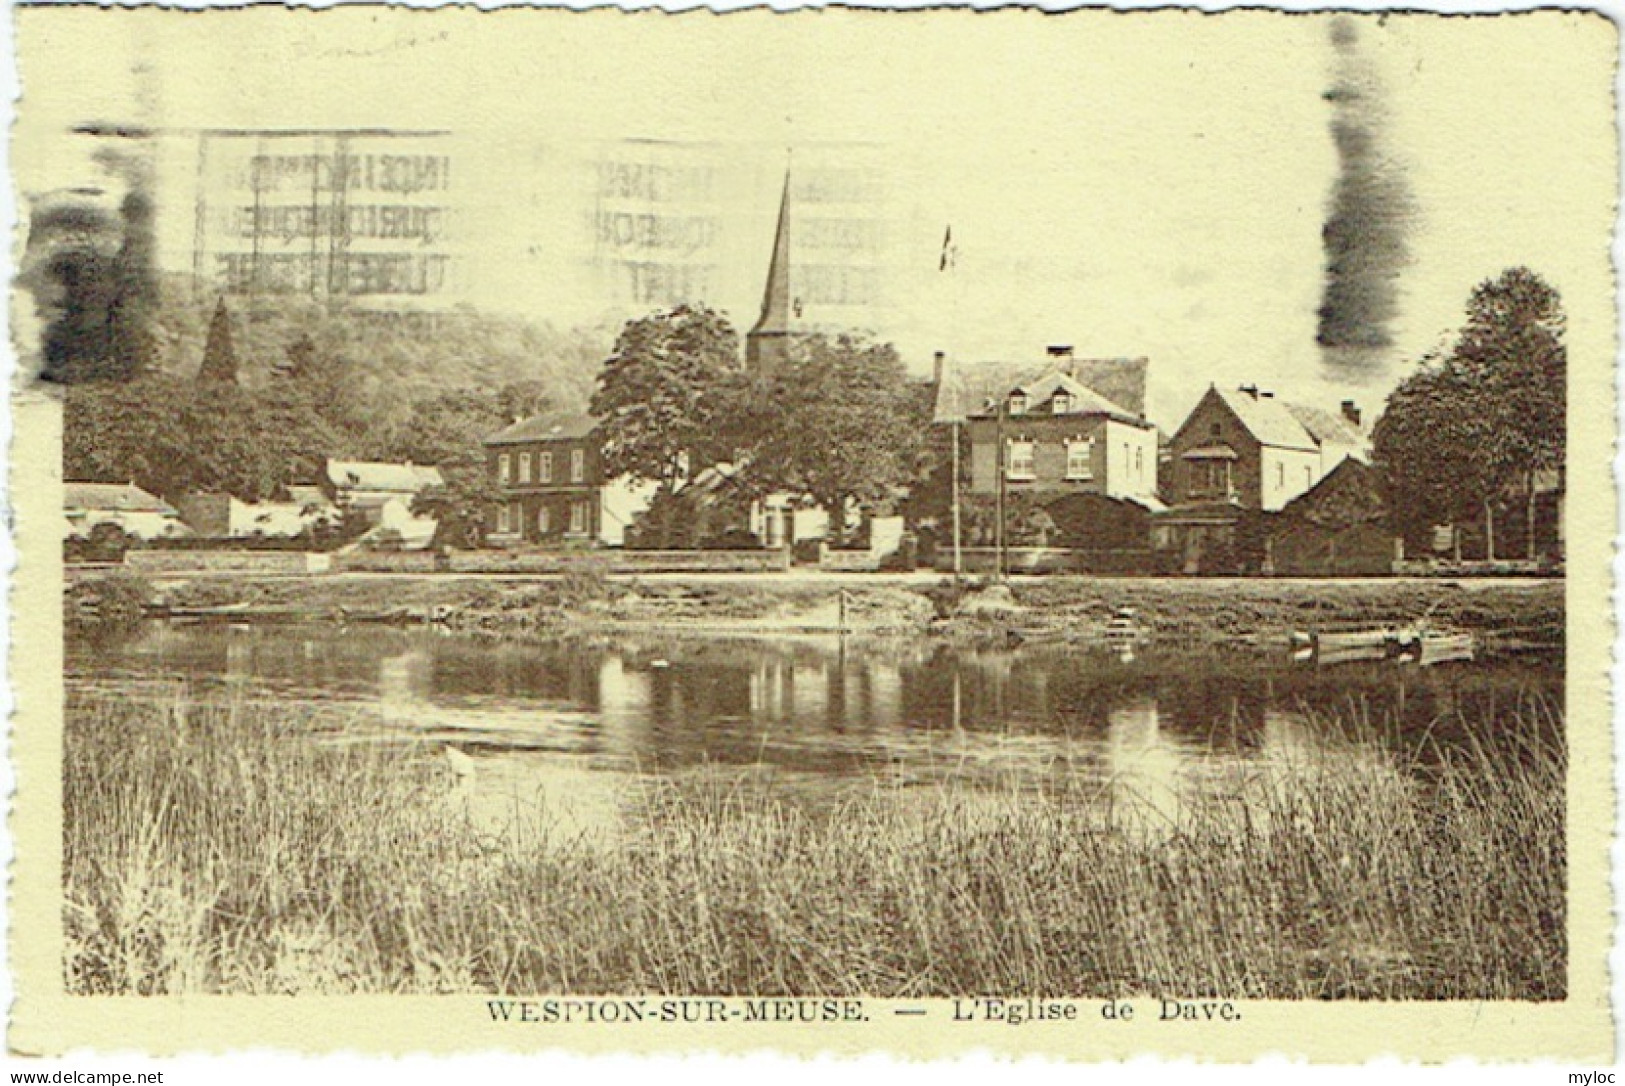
x,y
117,601
584,582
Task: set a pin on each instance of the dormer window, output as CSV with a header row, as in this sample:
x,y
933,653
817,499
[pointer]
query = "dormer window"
x,y
1018,403
1061,404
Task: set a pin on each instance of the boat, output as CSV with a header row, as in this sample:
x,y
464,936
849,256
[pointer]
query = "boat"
x,y
1423,647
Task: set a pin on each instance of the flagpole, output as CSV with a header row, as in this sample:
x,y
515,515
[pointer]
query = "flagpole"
x,y
947,264
959,564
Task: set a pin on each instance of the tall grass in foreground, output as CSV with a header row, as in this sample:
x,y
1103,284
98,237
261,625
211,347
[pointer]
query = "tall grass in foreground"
x,y
221,849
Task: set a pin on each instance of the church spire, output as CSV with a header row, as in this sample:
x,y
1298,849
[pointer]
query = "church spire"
x,y
766,344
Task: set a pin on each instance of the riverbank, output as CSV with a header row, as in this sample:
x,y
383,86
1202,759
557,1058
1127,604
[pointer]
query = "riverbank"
x,y
226,849
1183,613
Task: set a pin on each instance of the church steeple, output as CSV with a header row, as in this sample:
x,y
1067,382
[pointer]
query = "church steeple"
x,y
767,344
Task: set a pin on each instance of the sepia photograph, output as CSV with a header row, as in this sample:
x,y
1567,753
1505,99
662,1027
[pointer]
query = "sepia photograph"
x,y
839,520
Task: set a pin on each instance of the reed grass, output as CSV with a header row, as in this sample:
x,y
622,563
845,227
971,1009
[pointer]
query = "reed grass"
x,y
238,848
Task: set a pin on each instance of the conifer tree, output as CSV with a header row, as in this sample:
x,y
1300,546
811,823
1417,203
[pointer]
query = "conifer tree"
x,y
219,355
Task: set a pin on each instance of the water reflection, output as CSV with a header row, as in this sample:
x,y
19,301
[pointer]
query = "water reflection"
x,y
564,728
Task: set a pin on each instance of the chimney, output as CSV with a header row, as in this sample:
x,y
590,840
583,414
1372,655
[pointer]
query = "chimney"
x,y
1249,390
1351,412
1059,350
937,361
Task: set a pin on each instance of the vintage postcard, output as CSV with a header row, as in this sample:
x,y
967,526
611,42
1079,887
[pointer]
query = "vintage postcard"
x,y
840,531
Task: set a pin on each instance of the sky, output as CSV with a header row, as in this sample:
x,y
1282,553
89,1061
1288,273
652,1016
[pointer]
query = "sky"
x,y
1147,184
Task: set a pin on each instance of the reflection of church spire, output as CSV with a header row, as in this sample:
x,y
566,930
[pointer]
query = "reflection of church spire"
x,y
767,344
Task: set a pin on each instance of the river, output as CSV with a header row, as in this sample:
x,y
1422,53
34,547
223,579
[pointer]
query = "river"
x,y
573,726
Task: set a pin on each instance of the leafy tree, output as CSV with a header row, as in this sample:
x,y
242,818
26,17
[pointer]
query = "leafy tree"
x,y
459,506
838,425
1464,430
219,355
1512,349
172,438
299,360
665,394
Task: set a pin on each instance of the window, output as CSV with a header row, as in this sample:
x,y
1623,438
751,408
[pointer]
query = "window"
x,y
503,468
1061,404
1018,403
524,467
1080,454
1139,463
1280,476
578,517
543,521
1210,477
1216,430
578,465
504,519
1020,463
1308,477
544,467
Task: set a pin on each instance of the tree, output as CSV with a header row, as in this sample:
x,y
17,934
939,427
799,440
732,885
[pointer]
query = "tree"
x,y
1464,430
459,506
1512,349
299,360
219,356
133,288
837,425
664,395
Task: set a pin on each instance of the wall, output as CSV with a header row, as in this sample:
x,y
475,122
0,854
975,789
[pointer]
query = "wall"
x,y
1133,562
387,562
1125,475
1197,431
1050,434
848,561
1306,550
1300,469
227,562
620,501
541,562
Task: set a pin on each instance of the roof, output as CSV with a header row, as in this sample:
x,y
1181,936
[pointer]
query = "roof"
x,y
776,307
1217,511
1082,400
307,495
1325,427
369,475
1120,380
1211,452
1353,484
1268,419
121,497
545,428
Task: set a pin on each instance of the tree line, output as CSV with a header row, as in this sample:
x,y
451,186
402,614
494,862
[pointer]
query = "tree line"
x,y
251,426
839,424
1468,436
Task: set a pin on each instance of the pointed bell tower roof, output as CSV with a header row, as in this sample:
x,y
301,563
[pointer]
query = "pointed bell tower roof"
x,y
776,314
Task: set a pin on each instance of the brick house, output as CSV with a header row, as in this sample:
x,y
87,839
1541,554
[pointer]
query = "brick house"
x,y
1238,456
549,473
1054,436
